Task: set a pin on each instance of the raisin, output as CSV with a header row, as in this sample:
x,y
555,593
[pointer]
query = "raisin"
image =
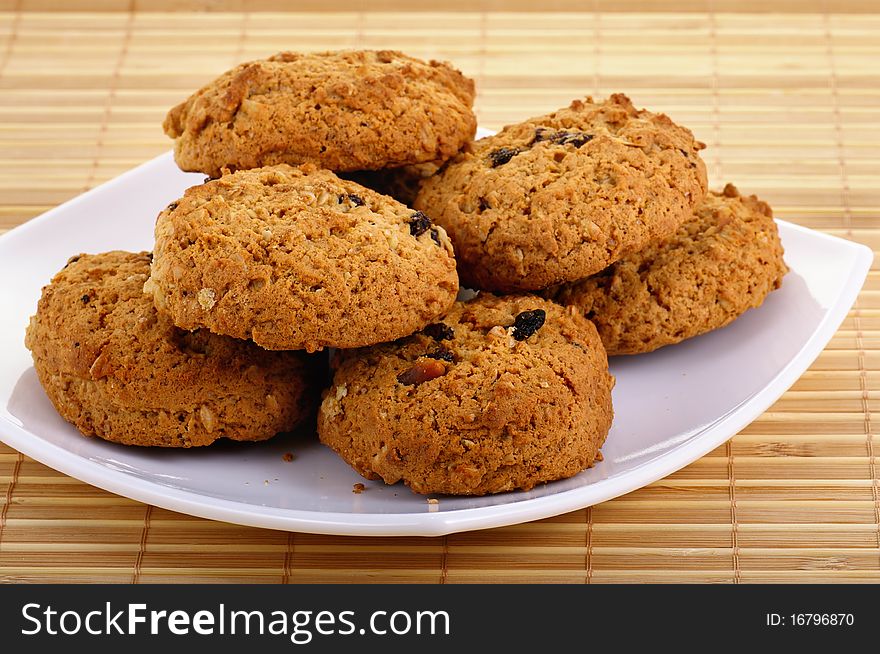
x,y
543,134
484,204
527,323
442,354
85,298
501,156
209,179
435,236
577,139
421,371
419,223
439,331
172,206
356,200
72,259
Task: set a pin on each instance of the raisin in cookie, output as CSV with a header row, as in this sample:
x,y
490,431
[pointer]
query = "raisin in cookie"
x,y
504,393
345,110
560,197
296,258
117,369
719,264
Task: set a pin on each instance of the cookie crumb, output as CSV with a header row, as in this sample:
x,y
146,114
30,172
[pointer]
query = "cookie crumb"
x,y
433,500
358,488
288,456
599,456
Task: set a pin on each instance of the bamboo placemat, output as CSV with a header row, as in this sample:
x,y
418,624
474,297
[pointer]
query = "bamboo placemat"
x,y
790,107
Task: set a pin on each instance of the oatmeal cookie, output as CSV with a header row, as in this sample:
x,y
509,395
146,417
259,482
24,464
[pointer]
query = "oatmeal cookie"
x,y
117,369
296,258
719,264
504,393
559,197
341,110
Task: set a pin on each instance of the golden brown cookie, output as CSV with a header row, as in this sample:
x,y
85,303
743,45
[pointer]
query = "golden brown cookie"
x,y
719,264
117,369
341,110
504,393
296,258
559,197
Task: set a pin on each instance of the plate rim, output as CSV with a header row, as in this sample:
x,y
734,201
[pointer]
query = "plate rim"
x,y
439,522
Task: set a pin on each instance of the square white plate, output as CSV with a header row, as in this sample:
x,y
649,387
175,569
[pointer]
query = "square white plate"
x,y
671,406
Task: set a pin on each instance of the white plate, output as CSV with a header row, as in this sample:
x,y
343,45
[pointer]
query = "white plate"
x,y
671,406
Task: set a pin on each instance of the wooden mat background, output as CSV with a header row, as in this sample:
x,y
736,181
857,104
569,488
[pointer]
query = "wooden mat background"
x,y
789,105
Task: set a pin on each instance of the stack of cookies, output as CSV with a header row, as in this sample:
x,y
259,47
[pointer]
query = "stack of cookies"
x,y
345,199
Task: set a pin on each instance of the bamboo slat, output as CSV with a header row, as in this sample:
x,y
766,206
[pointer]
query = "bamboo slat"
x,y
789,105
